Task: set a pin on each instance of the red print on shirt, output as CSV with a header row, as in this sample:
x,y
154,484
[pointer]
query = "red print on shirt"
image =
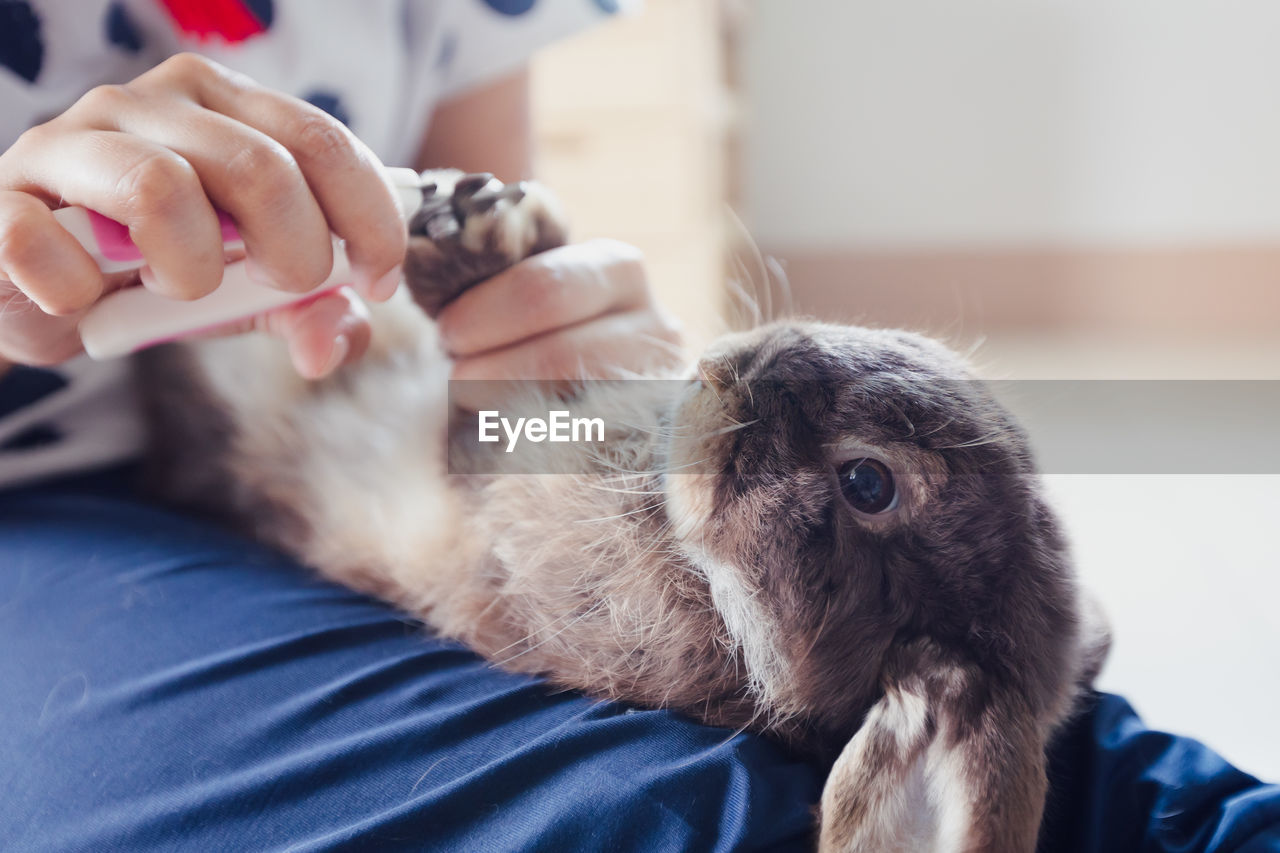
x,y
231,20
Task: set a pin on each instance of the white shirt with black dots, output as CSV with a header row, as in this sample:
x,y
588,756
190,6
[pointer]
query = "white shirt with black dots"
x,y
380,66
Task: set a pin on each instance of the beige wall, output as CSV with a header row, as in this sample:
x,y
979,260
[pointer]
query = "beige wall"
x,y
996,122
1104,172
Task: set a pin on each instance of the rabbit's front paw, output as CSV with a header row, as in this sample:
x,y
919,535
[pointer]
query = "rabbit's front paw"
x,y
471,227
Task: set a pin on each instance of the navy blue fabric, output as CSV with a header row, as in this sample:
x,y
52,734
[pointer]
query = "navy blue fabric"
x,y
167,686
21,386
39,435
1117,786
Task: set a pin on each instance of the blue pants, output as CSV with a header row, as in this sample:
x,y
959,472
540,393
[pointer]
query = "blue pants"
x,y
166,685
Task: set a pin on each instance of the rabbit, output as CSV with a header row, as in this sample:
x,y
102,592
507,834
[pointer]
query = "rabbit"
x,y
830,535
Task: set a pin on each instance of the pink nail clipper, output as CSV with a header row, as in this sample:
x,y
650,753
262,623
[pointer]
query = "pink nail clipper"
x,y
135,318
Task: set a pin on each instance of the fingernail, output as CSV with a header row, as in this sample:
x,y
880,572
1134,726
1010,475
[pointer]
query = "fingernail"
x,y
385,287
341,346
147,278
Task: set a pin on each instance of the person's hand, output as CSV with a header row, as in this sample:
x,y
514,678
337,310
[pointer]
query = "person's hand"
x,y
581,311
159,154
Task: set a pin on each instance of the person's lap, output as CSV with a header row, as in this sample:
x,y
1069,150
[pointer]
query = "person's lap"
x,y
170,686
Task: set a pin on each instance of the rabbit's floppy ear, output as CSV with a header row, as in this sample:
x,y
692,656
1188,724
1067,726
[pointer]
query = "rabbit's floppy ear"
x,y
946,760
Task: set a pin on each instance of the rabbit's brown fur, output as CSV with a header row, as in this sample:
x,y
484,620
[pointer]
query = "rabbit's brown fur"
x,y
702,558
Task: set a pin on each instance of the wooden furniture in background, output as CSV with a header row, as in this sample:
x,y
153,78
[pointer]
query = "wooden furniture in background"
x,y
631,123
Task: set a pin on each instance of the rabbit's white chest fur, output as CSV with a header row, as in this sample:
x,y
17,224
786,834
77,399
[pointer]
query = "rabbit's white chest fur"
x,y
560,563
338,460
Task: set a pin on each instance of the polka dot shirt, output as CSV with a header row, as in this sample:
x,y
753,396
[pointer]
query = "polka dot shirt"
x,y
379,66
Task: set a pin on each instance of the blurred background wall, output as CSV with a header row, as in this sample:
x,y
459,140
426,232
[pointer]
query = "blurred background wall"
x,y
633,123
1053,177
1064,188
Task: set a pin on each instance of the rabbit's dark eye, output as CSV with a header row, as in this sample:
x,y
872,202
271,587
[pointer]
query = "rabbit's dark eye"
x,y
868,485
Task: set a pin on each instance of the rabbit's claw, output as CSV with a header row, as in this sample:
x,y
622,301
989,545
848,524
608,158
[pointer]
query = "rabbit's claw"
x,y
471,227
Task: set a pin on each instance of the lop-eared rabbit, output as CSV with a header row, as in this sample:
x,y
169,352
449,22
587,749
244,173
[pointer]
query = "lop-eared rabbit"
x,y
830,535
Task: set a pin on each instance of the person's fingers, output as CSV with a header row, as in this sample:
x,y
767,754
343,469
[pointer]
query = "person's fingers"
x,y
345,177
323,333
30,336
157,155
42,260
555,289
254,179
142,184
613,346
46,280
